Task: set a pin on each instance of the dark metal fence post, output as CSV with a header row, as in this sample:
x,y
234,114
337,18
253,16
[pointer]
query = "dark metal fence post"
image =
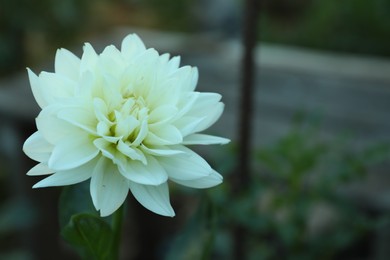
x,y
250,29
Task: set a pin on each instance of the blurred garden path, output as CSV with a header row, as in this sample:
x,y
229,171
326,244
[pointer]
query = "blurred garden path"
x,y
350,94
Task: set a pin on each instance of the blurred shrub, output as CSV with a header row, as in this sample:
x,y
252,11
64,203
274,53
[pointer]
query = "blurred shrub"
x,y
352,25
172,14
357,26
56,21
295,206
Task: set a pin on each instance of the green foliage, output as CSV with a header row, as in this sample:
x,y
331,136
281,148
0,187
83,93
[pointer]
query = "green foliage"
x,y
92,235
75,199
56,21
173,14
353,25
295,206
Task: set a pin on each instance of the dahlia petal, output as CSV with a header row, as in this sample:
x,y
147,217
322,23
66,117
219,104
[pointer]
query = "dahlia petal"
x,y
162,115
39,169
187,166
143,132
125,125
164,58
214,114
160,150
132,45
108,187
151,174
204,139
132,153
205,182
111,88
101,111
97,181
56,86
108,150
80,117
161,70
103,130
85,87
89,59
111,61
208,106
165,93
164,135
173,64
73,152
187,103
36,89
194,79
154,198
207,99
188,77
188,125
37,148
51,127
143,76
68,177
67,64
182,73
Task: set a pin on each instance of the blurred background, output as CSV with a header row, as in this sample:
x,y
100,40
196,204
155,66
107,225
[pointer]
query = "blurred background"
x,y
319,163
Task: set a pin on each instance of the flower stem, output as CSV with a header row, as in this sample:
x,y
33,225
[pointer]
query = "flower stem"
x,y
117,222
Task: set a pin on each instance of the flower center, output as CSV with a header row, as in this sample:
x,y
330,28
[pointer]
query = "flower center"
x,y
129,121
125,120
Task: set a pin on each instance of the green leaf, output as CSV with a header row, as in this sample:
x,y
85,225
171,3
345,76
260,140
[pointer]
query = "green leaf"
x,y
90,234
74,200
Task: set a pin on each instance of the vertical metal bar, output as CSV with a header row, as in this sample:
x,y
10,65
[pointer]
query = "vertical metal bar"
x,y
247,89
250,29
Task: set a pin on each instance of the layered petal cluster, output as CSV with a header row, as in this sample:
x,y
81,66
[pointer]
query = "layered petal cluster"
x,y
121,119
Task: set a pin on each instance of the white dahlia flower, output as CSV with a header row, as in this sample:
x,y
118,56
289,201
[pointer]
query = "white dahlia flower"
x,y
121,118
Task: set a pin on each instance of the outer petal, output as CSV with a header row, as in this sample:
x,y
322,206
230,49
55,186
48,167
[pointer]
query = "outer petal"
x,y
37,148
187,166
110,61
80,117
89,59
151,174
40,169
56,86
36,89
205,182
208,106
67,64
108,187
72,152
204,139
132,45
173,64
162,114
154,198
164,135
213,114
51,127
68,177
188,124
188,77
160,150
